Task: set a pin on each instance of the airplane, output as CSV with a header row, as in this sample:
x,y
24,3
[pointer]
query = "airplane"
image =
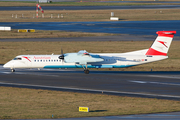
x,y
83,59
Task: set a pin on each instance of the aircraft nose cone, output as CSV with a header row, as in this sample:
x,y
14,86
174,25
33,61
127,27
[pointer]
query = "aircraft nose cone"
x,y
7,65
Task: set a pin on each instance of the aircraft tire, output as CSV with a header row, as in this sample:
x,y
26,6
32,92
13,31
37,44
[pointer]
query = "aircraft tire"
x,y
12,70
86,71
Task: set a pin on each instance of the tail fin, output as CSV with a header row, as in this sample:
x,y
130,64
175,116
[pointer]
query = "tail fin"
x,y
162,43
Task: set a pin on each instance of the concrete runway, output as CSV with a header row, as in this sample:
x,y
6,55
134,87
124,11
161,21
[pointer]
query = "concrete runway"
x,y
163,85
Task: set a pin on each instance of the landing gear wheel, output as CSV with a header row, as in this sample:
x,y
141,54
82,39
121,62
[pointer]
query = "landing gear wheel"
x,y
12,70
86,71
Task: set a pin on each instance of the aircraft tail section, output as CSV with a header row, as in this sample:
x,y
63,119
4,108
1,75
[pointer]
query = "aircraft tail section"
x,y
162,43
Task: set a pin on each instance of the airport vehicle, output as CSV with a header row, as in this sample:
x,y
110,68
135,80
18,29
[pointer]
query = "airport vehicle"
x,y
83,59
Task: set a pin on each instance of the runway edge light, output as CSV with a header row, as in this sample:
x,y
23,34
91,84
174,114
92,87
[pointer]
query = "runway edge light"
x,y
83,109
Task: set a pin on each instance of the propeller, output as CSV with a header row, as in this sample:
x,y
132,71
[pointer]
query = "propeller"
x,y
61,56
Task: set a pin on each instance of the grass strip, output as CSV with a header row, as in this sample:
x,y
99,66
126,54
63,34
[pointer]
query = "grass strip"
x,y
8,50
47,34
21,103
89,15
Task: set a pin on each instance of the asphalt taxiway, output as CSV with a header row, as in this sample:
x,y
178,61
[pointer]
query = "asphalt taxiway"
x,y
113,27
158,116
163,85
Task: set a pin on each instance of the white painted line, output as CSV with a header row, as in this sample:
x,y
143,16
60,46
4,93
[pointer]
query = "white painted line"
x,y
138,81
163,76
6,72
38,74
93,90
161,83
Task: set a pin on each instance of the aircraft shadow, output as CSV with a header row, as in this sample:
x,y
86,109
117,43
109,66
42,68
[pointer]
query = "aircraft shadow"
x,y
97,110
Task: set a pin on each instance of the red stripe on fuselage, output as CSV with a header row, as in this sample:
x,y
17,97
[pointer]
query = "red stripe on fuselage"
x,y
151,51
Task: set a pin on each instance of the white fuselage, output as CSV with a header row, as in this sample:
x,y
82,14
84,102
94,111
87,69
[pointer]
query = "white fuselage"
x,y
111,60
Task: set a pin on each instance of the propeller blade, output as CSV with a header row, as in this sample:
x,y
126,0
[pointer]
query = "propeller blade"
x,y
62,55
61,51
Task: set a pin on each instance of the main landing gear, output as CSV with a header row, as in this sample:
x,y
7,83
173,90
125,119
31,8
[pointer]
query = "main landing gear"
x,y
86,71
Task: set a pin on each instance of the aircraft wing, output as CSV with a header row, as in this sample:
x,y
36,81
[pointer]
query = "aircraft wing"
x,y
82,57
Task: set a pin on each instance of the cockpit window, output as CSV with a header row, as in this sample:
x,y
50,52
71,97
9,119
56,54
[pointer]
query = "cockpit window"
x,y
17,58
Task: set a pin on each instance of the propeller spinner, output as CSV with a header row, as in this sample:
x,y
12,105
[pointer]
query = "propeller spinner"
x,y
62,55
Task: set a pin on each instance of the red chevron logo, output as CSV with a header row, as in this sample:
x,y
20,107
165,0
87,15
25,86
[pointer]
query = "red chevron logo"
x,y
26,58
162,42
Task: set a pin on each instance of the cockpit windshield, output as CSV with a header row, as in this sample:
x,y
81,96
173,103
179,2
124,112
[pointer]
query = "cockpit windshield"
x,y
17,58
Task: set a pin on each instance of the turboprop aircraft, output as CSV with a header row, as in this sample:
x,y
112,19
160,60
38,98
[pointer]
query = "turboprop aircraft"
x,y
83,59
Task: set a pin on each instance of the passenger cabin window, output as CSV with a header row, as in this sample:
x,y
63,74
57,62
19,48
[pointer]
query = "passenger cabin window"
x,y
17,59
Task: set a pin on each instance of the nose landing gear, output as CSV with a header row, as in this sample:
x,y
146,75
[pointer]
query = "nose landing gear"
x,y
12,70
